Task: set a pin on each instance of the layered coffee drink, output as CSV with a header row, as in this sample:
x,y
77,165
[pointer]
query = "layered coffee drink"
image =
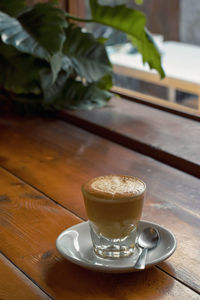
x,y
114,205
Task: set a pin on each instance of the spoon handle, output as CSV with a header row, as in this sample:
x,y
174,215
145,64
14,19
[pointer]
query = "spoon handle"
x,y
140,263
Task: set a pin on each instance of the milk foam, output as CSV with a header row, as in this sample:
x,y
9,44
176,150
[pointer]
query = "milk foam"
x,y
114,184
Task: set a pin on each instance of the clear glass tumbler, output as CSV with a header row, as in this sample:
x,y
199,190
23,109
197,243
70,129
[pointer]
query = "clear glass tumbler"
x,y
114,207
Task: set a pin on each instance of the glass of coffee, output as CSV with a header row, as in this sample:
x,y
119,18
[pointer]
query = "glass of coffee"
x,y
114,207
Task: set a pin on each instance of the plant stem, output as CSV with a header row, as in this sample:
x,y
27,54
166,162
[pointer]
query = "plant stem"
x,y
78,19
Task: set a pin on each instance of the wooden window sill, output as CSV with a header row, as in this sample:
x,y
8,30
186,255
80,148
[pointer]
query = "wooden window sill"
x,y
166,137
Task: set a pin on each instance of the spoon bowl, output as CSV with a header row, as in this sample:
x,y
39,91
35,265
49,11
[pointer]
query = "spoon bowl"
x,y
148,239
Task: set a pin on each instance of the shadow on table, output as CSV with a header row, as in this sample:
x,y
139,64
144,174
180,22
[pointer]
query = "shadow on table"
x,y
65,278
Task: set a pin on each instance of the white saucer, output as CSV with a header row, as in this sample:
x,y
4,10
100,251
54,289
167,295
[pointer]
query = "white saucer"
x,y
76,246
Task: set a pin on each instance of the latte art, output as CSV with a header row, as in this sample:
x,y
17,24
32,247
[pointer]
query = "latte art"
x,y
113,184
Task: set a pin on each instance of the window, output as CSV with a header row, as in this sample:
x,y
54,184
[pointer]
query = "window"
x,y
170,22
174,25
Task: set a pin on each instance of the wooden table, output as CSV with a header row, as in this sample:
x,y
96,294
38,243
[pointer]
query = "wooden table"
x,y
43,162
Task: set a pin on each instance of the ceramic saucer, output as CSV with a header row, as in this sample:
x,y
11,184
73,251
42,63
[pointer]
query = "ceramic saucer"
x,y
76,246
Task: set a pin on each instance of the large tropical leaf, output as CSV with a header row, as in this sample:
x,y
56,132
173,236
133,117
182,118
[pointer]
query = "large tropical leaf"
x,y
52,92
105,82
17,76
77,96
20,85
12,7
16,69
46,24
148,52
13,33
27,36
132,22
87,55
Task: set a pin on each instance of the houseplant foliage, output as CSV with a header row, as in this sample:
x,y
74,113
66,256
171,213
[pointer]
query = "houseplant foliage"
x,y
48,61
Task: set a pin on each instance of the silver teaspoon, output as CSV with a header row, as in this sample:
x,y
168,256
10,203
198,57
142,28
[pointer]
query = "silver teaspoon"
x,y
147,240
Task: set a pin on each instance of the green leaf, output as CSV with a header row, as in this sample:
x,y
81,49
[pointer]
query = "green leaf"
x,y
17,76
46,24
19,80
119,17
88,56
105,82
12,7
26,35
52,92
77,96
102,40
67,65
132,22
148,52
139,2
13,33
56,64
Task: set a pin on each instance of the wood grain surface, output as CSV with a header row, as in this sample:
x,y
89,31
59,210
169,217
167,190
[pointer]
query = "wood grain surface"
x,y
15,285
171,139
57,158
30,224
